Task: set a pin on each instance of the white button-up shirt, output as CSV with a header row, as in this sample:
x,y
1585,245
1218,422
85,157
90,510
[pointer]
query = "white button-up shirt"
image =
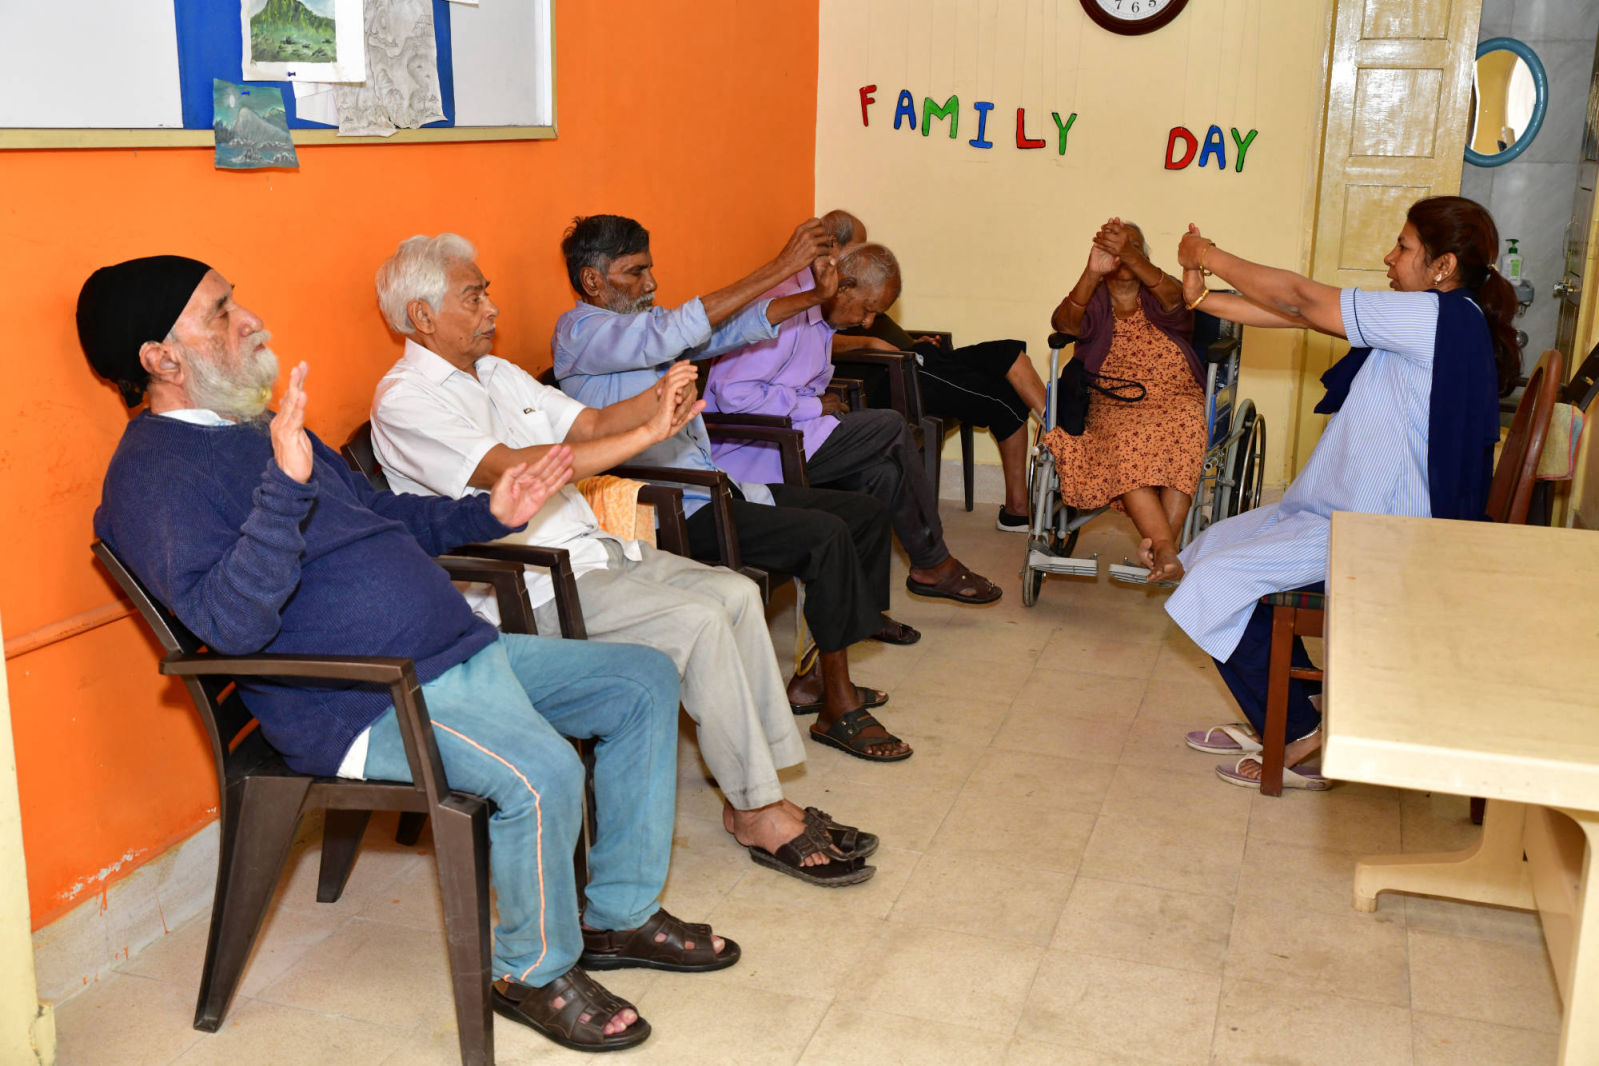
x,y
432,425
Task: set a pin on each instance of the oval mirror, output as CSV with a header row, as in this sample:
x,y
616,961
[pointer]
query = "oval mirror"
x,y
1509,94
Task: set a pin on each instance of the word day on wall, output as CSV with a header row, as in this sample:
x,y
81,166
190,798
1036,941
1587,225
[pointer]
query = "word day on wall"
x,y
1183,148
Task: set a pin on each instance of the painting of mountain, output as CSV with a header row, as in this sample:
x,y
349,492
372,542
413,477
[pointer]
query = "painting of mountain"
x,y
251,127
287,31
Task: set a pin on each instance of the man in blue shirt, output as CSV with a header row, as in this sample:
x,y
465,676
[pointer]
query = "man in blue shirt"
x,y
615,344
260,539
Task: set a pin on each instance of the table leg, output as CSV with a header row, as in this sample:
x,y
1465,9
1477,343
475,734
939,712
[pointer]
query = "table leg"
x,y
1579,1031
1490,871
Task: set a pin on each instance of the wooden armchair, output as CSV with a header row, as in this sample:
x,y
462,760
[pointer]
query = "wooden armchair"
x,y
261,800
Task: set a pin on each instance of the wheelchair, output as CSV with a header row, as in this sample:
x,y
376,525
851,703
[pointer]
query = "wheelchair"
x,y
1229,481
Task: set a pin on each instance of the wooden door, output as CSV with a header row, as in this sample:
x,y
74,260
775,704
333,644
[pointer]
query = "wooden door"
x,y
1398,98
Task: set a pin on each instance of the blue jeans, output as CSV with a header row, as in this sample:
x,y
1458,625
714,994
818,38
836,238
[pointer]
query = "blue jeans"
x,y
501,720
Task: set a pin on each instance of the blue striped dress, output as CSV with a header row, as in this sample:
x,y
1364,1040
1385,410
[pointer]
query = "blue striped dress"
x,y
1372,458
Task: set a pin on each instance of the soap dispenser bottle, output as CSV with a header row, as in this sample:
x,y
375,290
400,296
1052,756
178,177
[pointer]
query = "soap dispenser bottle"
x,y
1512,266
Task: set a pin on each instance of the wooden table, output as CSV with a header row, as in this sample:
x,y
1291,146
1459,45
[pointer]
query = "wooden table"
x,y
1463,657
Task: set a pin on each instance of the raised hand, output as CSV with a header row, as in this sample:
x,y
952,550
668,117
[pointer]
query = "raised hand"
x,y
291,445
825,271
523,488
809,242
1100,261
1191,249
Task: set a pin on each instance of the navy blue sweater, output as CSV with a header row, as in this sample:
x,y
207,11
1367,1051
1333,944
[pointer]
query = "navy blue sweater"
x,y
251,561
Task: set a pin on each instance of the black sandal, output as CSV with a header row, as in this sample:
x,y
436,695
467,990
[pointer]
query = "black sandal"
x,y
813,840
851,843
612,949
566,1026
845,735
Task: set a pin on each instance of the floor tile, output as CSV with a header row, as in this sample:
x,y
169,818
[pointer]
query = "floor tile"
x,y
751,1025
1483,980
268,1032
1444,1041
934,974
849,1037
388,975
1269,1024
1152,1013
1166,853
1145,925
1358,956
1003,900
127,1020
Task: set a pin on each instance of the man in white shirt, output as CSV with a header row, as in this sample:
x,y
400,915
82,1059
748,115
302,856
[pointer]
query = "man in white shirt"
x,y
449,416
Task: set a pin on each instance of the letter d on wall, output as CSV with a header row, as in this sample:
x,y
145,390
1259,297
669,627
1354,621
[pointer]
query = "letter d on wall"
x,y
1180,133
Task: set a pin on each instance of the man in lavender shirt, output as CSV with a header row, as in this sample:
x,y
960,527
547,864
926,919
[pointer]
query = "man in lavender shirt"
x,y
859,451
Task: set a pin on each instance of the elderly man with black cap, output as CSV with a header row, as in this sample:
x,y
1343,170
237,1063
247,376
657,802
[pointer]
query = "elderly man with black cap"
x,y
260,539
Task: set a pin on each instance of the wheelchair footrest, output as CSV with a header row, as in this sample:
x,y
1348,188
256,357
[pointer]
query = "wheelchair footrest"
x,y
1136,575
1063,564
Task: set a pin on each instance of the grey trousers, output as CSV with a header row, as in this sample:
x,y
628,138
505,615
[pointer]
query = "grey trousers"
x,y
713,625
872,451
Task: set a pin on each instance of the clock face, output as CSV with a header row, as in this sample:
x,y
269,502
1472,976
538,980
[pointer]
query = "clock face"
x,y
1133,16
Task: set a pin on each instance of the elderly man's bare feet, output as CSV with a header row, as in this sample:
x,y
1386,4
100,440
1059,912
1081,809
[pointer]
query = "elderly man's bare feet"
x,y
770,827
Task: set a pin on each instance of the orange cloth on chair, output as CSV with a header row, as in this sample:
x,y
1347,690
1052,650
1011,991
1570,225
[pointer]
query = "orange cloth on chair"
x,y
614,501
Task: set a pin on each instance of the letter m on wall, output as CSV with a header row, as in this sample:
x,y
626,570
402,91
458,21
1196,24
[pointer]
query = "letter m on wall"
x,y
951,110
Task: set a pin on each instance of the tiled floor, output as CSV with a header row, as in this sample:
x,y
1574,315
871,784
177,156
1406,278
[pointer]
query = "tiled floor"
x,y
1061,882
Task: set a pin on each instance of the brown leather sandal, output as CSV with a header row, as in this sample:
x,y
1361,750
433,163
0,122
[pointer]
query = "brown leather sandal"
x,y
813,840
612,949
851,843
962,586
566,1025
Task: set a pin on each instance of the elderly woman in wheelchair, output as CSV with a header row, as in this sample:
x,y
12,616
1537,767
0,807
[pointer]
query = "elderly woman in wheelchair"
x,y
1142,458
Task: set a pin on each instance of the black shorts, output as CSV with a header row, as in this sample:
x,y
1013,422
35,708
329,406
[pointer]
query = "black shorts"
x,y
969,384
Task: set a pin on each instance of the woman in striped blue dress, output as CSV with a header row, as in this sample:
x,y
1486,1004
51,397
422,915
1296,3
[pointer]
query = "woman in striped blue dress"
x,y
1415,418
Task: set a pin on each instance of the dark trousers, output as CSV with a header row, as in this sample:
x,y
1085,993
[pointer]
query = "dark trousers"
x,y
837,543
873,452
1247,669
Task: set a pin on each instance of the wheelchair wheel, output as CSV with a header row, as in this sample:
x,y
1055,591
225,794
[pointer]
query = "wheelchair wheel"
x,y
1032,581
1248,461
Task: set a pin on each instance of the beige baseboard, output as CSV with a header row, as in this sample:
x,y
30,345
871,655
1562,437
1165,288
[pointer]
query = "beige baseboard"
x,y
104,931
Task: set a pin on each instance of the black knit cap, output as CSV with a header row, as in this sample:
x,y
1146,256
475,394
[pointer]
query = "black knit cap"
x,y
120,307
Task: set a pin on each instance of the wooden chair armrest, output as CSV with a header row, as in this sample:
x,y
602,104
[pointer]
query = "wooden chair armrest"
x,y
722,418
568,607
671,527
505,577
790,442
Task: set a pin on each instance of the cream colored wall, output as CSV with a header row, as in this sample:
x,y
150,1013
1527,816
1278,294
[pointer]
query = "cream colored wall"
x,y
27,1027
989,239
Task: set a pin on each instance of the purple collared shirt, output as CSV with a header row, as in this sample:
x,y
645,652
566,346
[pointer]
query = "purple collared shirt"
x,y
786,375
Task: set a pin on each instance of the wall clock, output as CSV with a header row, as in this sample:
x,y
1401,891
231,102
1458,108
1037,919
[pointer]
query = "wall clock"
x,y
1132,17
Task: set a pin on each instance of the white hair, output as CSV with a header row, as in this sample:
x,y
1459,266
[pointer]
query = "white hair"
x,y
870,265
416,271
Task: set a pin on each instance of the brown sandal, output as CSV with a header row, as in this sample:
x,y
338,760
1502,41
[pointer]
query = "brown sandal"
x,y
534,1008
851,843
813,840
956,587
612,949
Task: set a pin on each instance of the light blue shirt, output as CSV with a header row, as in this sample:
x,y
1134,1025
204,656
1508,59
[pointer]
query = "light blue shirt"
x,y
602,357
1372,458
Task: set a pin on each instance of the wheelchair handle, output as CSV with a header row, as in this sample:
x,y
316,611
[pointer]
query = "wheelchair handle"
x,y
1057,341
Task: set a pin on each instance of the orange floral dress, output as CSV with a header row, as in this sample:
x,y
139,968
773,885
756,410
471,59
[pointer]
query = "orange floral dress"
x,y
1158,441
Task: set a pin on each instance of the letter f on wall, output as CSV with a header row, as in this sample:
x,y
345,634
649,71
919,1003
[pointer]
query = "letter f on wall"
x,y
867,98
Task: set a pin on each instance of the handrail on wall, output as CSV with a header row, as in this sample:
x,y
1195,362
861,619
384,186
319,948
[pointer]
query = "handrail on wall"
x,y
56,632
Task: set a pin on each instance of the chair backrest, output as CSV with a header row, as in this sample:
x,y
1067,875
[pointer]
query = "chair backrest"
x,y
1584,384
357,451
1510,496
236,740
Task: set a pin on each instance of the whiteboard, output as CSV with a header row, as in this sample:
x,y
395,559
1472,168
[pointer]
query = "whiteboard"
x,y
107,73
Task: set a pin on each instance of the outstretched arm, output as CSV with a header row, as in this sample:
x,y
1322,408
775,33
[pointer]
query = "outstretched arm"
x,y
1068,315
1288,299
1117,239
809,242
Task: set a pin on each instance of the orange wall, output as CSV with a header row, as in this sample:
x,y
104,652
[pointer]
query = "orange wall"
x,y
698,119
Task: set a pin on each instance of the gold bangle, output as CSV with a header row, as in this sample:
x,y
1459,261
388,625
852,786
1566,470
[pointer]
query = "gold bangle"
x,y
1202,268
1198,301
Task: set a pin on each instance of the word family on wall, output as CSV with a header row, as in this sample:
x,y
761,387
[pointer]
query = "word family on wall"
x,y
1182,146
